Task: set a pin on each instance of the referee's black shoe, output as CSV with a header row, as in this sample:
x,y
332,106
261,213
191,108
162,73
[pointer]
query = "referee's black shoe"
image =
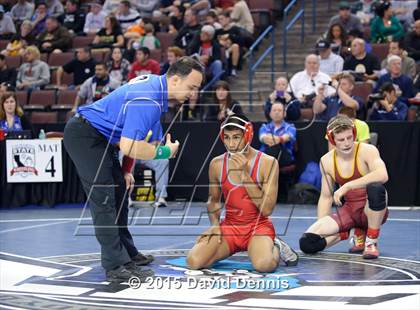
x,y
130,270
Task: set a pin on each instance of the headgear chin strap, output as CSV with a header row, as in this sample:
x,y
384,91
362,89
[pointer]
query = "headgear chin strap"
x,y
246,127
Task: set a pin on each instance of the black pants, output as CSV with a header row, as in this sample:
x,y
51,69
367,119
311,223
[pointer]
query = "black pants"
x,y
103,182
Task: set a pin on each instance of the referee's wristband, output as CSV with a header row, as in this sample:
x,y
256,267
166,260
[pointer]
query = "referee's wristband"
x,y
163,152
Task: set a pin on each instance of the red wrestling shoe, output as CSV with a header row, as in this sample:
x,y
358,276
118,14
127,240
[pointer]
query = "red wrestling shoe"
x,y
357,241
371,249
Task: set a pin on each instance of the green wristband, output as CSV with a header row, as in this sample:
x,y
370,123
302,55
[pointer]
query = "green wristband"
x,y
163,152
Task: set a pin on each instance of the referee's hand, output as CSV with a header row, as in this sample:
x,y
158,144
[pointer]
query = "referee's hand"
x,y
172,145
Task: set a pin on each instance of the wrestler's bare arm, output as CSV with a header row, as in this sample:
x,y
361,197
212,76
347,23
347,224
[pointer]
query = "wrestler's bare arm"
x,y
377,169
325,199
214,206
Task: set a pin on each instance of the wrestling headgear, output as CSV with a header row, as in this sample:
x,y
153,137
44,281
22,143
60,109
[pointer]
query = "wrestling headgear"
x,y
338,122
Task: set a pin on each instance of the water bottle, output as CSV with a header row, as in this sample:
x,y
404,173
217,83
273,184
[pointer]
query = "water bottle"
x,y
41,134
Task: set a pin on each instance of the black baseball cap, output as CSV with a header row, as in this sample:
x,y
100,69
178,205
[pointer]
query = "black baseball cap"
x,y
322,44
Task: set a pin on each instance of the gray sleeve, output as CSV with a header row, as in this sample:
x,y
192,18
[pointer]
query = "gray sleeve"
x,y
84,89
44,77
29,11
10,26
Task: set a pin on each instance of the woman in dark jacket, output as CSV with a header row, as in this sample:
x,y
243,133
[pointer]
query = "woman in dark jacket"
x,y
223,105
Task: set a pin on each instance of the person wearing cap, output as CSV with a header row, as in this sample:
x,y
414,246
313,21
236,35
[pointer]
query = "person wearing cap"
x,y
207,49
329,62
95,19
7,27
346,19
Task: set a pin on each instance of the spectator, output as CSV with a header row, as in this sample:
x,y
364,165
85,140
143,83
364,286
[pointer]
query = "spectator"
x,y
278,137
20,41
55,38
173,54
176,18
208,50
403,11
361,63
95,87
55,8
211,19
146,7
21,11
11,114
82,67
118,67
412,42
135,32
149,40
224,5
7,75
241,15
33,73
391,108
95,19
126,16
109,36
329,62
7,27
39,18
282,95
73,19
327,107
346,19
385,27
337,37
143,65
402,82
408,65
188,31
305,84
111,6
353,34
223,104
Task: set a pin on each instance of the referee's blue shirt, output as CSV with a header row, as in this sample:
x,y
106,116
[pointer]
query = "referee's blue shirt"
x,y
131,110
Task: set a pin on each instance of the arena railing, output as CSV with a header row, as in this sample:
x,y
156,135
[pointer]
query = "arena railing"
x,y
300,14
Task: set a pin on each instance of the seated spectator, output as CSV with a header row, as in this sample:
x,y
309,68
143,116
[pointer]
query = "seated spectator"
x,y
20,41
55,8
207,49
223,105
278,137
173,54
39,18
111,6
95,87
7,75
21,11
403,11
126,15
329,62
118,67
73,18
408,65
143,64
188,31
146,7
149,40
412,42
391,108
82,67
33,73
11,114
55,38
95,19
109,36
282,95
403,84
337,37
346,19
353,34
135,32
241,15
176,18
7,27
212,20
362,64
385,27
305,84
327,107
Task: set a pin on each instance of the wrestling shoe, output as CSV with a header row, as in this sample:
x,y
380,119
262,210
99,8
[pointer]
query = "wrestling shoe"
x,y
357,242
287,254
142,260
371,249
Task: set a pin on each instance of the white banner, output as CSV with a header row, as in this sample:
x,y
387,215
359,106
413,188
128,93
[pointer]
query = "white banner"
x,y
31,161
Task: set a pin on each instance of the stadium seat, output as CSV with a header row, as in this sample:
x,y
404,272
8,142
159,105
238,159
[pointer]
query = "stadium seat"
x,y
166,40
156,54
380,51
67,78
60,59
65,100
40,99
82,41
44,117
362,90
98,56
13,61
3,44
54,135
22,97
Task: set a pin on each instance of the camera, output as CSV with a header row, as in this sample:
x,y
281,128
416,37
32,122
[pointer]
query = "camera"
x,y
375,98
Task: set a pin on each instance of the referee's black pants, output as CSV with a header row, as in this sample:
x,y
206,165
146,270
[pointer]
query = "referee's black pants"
x,y
100,172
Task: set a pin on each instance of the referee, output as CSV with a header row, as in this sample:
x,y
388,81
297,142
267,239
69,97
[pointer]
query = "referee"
x,y
122,121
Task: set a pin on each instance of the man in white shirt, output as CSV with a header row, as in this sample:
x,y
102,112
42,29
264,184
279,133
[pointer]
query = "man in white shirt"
x,y
305,84
95,19
329,62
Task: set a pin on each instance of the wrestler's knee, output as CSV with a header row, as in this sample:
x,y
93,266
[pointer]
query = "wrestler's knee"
x,y
264,264
376,193
311,243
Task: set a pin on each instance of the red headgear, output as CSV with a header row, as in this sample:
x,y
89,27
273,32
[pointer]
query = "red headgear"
x,y
246,127
332,126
